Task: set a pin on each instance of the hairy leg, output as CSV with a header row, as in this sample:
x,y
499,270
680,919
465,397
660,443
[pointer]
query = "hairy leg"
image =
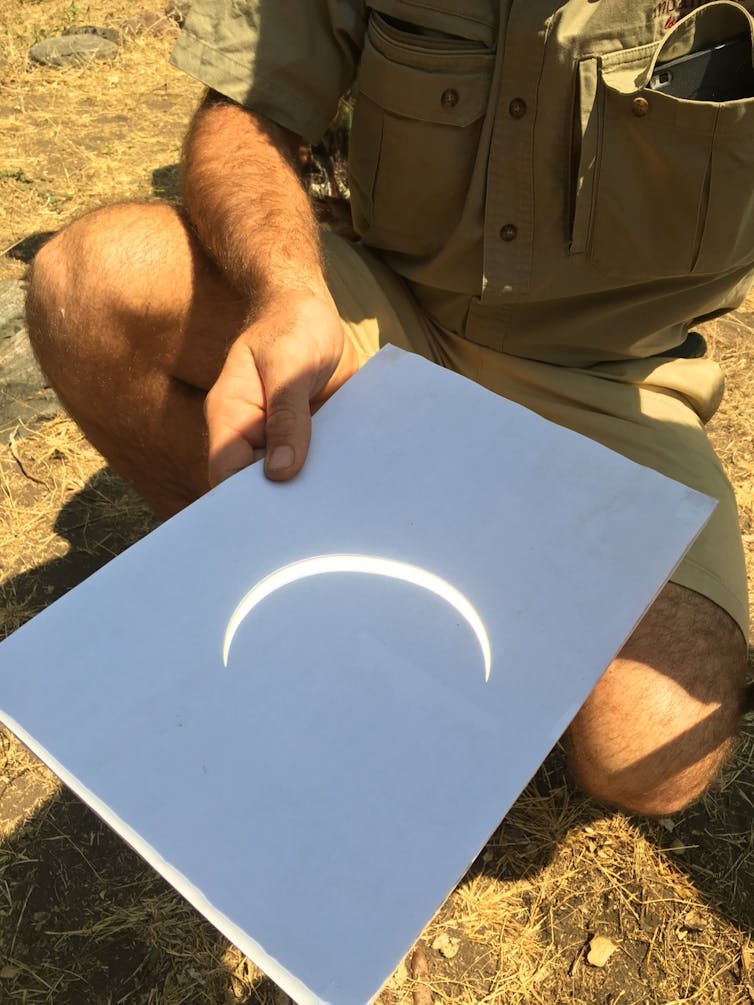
x,y
658,726
131,322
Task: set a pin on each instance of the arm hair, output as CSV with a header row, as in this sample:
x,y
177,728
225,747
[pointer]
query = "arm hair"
x,y
246,204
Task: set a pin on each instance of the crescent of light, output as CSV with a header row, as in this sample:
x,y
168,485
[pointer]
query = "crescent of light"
x,y
322,564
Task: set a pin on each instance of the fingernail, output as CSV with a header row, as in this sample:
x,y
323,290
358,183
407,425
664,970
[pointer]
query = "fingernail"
x,y
280,458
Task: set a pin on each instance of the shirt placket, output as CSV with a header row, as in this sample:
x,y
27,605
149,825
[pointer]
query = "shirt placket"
x,y
509,205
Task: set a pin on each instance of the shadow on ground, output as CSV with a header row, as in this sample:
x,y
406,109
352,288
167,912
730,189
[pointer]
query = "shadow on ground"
x,y
166,182
25,249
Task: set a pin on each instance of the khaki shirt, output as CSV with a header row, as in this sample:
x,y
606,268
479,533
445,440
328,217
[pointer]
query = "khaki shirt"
x,y
508,160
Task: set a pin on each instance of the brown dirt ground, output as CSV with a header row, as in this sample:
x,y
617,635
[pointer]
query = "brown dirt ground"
x,y
82,919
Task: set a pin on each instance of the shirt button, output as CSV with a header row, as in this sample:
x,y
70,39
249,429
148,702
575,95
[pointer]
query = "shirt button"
x,y
509,232
640,106
517,108
449,98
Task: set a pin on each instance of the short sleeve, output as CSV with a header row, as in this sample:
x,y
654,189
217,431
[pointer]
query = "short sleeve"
x,y
290,60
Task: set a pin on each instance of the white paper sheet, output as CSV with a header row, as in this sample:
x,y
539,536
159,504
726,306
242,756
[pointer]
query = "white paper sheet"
x,y
508,561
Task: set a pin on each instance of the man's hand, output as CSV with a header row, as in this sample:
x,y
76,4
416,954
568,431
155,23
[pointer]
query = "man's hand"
x,y
288,361
249,211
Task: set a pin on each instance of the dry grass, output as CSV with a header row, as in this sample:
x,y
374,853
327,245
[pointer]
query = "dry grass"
x,y
79,137
82,920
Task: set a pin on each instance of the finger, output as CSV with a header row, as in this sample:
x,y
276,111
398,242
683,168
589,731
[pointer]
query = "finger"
x,y
228,458
231,440
235,419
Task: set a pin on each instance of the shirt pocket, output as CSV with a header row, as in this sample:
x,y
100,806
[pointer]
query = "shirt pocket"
x,y
665,185
473,19
420,102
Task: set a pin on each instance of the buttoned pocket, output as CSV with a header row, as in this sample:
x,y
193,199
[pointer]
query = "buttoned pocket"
x,y
421,98
664,184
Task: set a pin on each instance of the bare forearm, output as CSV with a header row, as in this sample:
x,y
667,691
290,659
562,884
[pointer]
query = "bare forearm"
x,y
246,204
249,211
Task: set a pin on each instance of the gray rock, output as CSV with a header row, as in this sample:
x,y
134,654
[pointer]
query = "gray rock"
x,y
12,296
72,50
24,394
111,34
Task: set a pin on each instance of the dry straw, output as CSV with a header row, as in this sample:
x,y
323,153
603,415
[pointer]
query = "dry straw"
x,y
82,920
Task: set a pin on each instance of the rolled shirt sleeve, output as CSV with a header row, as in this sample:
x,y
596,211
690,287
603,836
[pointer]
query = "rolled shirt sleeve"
x,y
290,60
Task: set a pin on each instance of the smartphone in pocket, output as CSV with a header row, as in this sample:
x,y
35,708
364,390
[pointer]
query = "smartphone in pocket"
x,y
722,72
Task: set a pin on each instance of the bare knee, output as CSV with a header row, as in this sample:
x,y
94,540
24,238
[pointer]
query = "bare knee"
x,y
114,259
101,287
658,726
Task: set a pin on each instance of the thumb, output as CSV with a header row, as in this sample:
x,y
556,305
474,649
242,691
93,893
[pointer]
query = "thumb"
x,y
287,430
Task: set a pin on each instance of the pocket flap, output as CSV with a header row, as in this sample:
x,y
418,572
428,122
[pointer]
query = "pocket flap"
x,y
474,19
444,96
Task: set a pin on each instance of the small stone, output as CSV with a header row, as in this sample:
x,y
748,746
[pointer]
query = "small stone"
x,y
8,972
446,945
600,950
677,846
667,823
72,50
695,921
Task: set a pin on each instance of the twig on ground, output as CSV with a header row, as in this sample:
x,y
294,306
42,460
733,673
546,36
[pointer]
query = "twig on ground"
x,y
16,457
420,972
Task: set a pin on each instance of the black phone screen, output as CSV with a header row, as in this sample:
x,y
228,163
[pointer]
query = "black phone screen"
x,y
723,72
